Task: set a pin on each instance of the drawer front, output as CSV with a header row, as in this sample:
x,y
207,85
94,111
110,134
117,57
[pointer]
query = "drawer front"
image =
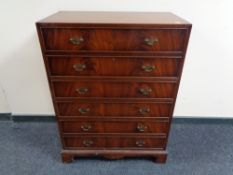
x,y
114,89
73,39
114,109
111,66
85,126
90,142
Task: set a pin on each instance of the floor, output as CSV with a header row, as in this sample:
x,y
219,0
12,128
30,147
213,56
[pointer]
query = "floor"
x,y
194,149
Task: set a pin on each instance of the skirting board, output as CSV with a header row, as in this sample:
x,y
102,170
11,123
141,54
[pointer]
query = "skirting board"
x,y
176,119
5,116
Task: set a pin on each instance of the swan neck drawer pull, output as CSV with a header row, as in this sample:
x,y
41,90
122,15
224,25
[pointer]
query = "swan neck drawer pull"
x,y
148,67
82,90
144,111
88,142
86,127
145,91
141,127
76,40
79,67
151,41
84,110
140,143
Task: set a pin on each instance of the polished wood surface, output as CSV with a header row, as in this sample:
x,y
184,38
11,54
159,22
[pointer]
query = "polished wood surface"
x,y
114,78
114,66
87,126
127,18
92,142
114,89
129,109
113,40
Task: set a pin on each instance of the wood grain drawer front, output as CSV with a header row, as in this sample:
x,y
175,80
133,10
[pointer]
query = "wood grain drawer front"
x,y
85,126
73,39
111,66
114,89
90,142
114,109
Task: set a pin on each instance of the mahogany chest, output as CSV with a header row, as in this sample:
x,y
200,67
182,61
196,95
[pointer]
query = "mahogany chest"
x,y
114,78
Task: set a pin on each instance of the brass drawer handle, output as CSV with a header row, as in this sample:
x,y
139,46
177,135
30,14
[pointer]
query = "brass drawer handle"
x,y
141,127
151,41
148,67
76,40
84,110
145,91
82,90
79,67
86,127
88,142
144,111
140,143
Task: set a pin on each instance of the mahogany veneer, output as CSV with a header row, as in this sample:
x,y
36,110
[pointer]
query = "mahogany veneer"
x,y
127,109
95,142
109,66
114,78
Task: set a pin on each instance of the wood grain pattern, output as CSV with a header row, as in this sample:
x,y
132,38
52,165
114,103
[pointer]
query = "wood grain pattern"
x,y
113,40
114,66
116,18
86,126
114,143
129,109
114,89
106,103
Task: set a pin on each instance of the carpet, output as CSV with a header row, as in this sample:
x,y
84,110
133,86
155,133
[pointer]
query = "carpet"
x,y
33,148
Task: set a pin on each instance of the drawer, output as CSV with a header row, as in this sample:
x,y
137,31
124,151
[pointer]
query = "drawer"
x,y
114,66
90,142
111,126
114,109
114,89
78,39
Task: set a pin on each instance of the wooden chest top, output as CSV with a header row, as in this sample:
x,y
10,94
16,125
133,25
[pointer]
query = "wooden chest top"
x,y
155,18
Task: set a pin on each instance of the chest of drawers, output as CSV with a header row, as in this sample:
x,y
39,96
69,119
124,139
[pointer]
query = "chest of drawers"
x,y
114,79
